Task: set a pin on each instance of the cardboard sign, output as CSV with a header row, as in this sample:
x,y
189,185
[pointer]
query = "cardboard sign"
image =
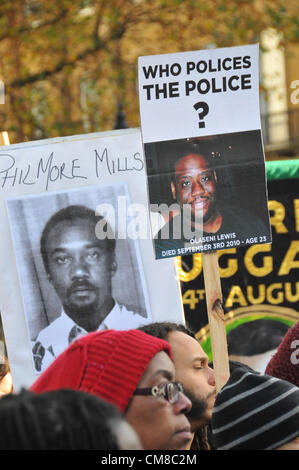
x,y
259,281
71,245
200,124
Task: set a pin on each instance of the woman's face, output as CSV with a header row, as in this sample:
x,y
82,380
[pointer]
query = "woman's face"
x,y
160,424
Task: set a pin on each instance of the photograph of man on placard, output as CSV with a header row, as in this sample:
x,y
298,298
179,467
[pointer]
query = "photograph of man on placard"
x,y
81,281
215,196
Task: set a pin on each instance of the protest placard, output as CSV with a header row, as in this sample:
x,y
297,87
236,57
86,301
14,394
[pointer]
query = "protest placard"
x,y
259,283
75,247
201,131
200,124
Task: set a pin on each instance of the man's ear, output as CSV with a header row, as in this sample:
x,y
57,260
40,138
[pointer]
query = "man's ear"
x,y
173,190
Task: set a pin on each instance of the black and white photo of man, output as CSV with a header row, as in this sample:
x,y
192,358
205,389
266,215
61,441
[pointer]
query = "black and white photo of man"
x,y
216,192
80,266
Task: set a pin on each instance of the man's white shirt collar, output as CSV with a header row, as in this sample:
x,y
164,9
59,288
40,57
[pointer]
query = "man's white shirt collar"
x,y
57,336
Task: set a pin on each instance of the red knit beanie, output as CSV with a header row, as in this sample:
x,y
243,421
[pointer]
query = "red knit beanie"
x,y
285,363
108,363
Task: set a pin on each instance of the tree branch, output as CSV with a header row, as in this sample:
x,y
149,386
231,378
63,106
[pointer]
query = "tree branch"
x,y
31,29
44,74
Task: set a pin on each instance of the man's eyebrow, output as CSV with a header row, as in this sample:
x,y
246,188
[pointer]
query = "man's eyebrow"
x,y
58,250
166,373
200,358
187,175
65,247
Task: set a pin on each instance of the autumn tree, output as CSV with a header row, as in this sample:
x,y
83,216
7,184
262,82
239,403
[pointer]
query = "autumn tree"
x,y
68,64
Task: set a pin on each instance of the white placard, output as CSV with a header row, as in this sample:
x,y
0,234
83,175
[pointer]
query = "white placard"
x,y
200,123
37,179
199,93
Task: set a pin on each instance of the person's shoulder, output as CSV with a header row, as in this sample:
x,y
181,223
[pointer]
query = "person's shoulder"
x,y
242,214
157,222
48,331
165,229
132,319
124,310
245,223
42,347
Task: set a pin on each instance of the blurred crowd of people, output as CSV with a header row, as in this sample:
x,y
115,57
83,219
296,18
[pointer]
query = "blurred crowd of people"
x,y
152,388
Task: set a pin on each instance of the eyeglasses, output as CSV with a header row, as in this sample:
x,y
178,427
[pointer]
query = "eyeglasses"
x,y
168,390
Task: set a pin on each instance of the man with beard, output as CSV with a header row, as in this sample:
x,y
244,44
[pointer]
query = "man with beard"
x,y
80,266
193,371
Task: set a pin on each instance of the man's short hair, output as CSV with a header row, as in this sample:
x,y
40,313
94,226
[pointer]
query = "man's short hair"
x,y
70,214
162,329
191,146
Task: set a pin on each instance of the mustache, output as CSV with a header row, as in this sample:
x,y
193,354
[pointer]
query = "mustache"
x,y
204,197
199,404
82,284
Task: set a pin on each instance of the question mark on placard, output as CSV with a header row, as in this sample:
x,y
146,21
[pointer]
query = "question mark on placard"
x,y
205,109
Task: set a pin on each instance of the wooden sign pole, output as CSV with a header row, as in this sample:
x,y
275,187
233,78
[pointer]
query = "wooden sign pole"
x,y
216,318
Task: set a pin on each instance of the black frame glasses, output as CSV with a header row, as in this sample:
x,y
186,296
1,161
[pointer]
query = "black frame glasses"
x,y
170,391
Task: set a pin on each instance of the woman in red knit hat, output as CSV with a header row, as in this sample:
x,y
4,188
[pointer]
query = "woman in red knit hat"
x,y
132,370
